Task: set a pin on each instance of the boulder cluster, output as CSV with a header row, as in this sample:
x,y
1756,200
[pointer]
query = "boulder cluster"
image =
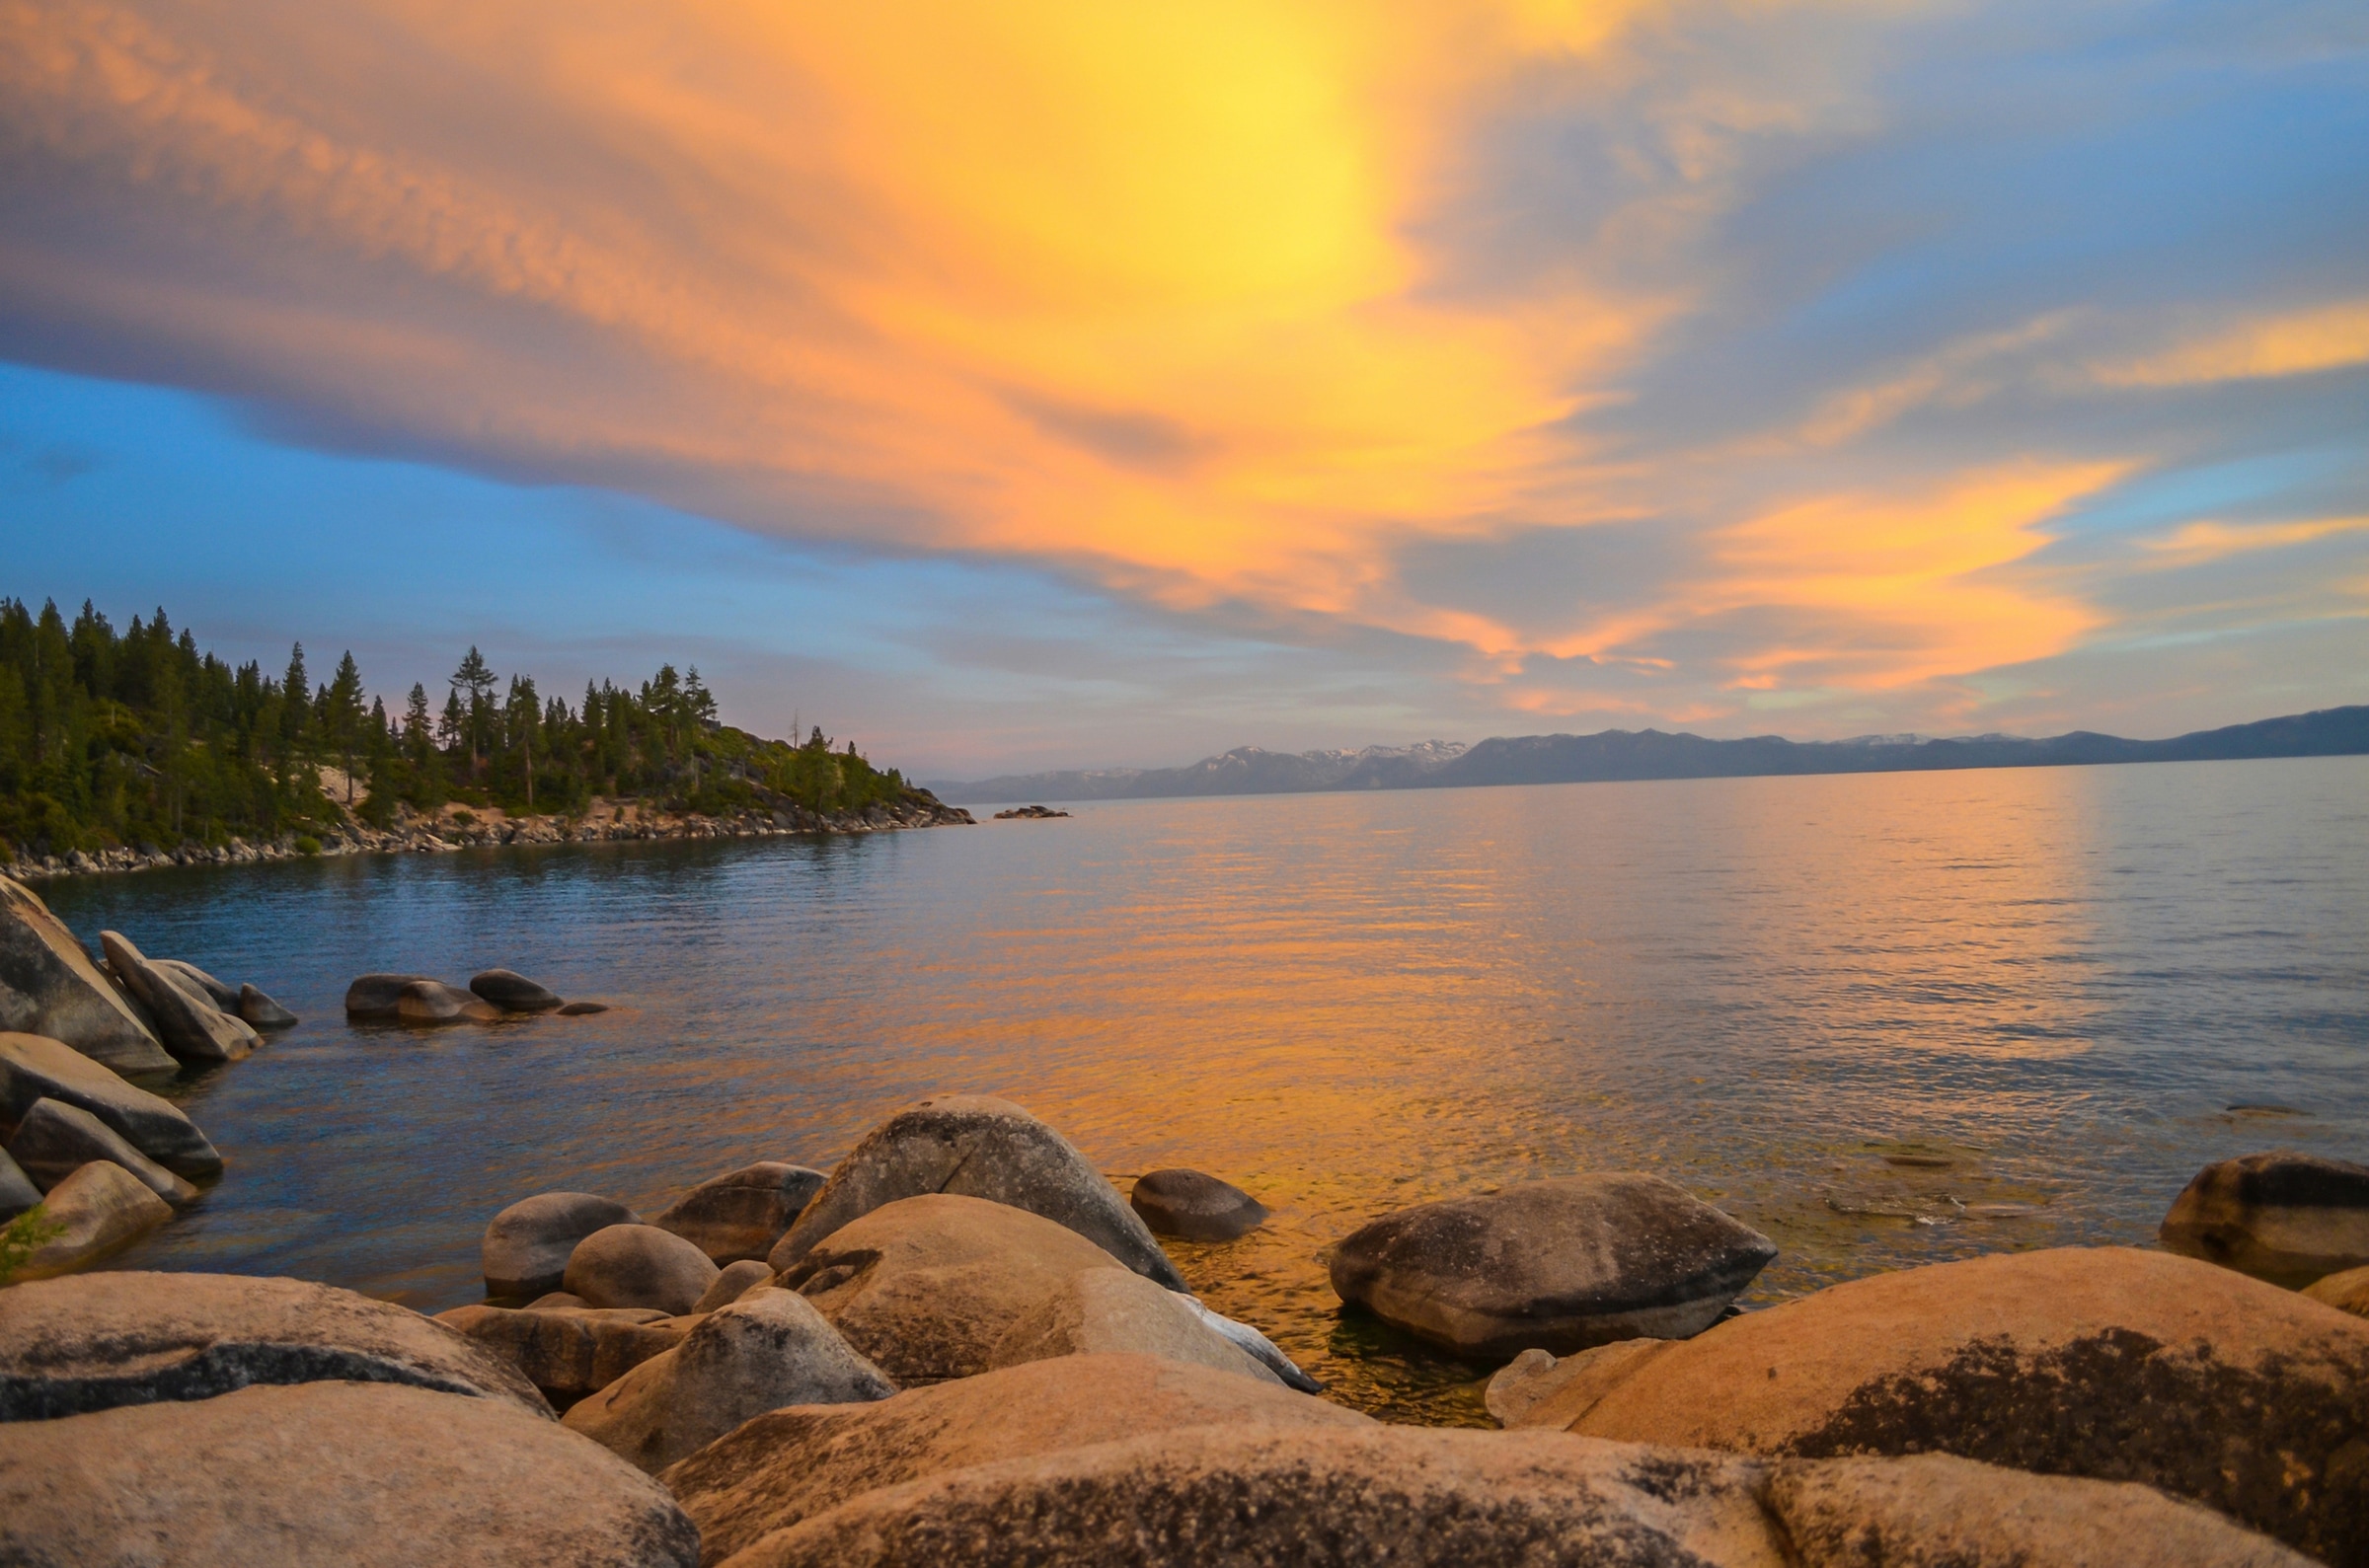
x,y
491,994
962,1345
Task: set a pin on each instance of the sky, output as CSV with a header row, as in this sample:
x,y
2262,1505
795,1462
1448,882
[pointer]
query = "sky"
x,y
1049,385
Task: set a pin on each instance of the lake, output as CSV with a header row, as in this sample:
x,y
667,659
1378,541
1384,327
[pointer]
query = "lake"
x,y
1888,1019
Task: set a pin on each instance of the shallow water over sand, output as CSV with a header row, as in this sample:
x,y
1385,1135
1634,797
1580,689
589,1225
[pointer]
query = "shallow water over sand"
x,y
1887,1020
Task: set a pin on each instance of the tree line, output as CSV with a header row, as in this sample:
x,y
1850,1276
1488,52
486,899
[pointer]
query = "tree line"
x,y
139,738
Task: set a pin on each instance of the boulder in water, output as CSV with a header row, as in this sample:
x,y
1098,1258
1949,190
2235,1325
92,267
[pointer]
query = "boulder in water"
x,y
768,1350
569,1351
512,992
742,1213
186,1020
49,986
375,996
223,995
435,1001
2283,1216
95,1213
977,1147
359,1474
637,1265
526,1245
1194,1206
34,1068
1555,1265
261,1013
56,1140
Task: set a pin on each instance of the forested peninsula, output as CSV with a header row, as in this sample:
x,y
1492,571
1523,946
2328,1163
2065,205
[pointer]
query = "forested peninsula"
x,y
133,748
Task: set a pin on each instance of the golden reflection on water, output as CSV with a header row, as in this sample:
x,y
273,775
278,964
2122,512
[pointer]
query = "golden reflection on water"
x,y
1886,1020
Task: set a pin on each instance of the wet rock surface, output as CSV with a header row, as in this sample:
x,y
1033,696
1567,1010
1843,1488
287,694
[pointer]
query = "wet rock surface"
x,y
2283,1216
1555,1265
1194,1206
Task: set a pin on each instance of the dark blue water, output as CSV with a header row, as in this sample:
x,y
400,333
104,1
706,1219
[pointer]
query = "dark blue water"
x,y
1887,1020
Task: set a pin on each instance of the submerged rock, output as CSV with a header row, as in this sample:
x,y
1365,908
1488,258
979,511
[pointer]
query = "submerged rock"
x,y
742,1213
97,1212
376,996
1557,1265
734,1281
350,1473
1194,1206
56,1140
2283,1216
768,1350
788,1466
49,986
512,992
186,1020
32,1068
2106,1362
435,1001
637,1265
569,1351
261,1013
526,1245
113,1339
975,1147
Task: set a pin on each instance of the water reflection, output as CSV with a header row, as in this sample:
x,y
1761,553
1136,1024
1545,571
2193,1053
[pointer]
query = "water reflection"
x,y
1887,1020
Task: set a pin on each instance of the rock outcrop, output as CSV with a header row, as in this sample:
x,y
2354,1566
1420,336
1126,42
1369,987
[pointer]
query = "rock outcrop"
x,y
512,992
527,1244
188,1023
788,1466
97,1212
34,1068
742,1213
975,1147
1557,1265
768,1350
568,1353
56,1140
1194,1206
49,986
70,1346
2283,1217
359,1474
1114,1311
637,1265
2108,1363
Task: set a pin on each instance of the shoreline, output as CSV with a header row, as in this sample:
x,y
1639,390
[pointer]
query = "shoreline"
x,y
477,828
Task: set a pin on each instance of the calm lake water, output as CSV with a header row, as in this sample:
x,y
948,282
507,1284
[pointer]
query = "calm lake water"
x,y
1887,1020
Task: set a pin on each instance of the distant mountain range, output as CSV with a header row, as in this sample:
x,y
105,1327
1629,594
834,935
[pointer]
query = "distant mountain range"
x,y
1652,754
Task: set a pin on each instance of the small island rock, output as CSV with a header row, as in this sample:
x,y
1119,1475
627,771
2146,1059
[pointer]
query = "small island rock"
x,y
742,1213
2283,1216
49,986
101,1210
769,1350
512,992
637,1265
1194,1206
376,996
261,1013
435,1001
56,1140
979,1146
526,1245
33,1067
1558,1265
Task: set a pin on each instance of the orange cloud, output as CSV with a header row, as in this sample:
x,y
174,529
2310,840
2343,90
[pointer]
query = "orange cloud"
x,y
2293,343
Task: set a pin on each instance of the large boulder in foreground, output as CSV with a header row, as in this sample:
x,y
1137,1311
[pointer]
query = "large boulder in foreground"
x,y
1194,1206
1557,1265
765,1351
48,986
1264,1494
34,1068
568,1354
2109,1362
526,1245
56,1140
349,1473
2283,1217
186,1020
91,1216
787,1465
72,1346
637,1265
742,1213
1113,1311
972,1146
927,1288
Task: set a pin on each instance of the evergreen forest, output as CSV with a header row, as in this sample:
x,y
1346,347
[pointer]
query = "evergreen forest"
x,y
138,738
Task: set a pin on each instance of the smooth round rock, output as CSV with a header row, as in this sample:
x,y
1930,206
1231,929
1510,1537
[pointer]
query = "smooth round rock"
x,y
1194,1206
435,1001
2283,1217
512,992
639,1265
101,1210
375,996
1555,1265
742,1213
527,1246
735,1281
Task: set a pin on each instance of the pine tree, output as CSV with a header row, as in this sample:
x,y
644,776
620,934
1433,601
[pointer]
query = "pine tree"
x,y
295,701
343,710
476,679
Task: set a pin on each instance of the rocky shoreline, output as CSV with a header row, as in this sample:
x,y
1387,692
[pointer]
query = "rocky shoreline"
x,y
464,828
